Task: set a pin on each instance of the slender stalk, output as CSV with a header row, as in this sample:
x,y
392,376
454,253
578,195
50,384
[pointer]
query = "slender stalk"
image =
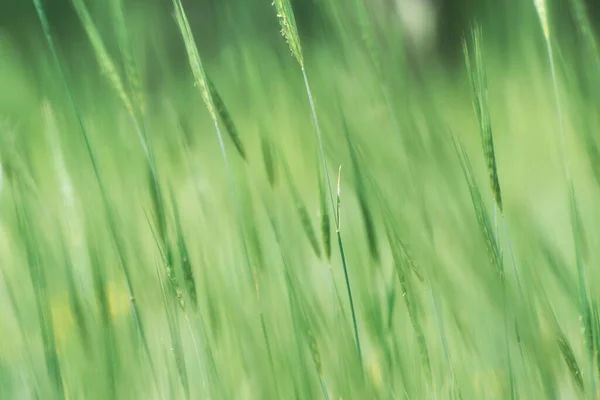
x,y
102,188
337,216
215,107
566,163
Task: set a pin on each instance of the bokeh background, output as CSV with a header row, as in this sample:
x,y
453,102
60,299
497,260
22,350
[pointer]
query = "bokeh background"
x,y
212,17
164,269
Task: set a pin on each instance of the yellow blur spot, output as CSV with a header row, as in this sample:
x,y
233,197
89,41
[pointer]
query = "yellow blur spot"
x,y
374,371
63,320
118,300
489,384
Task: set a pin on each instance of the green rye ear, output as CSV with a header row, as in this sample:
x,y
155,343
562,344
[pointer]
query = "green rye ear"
x,y
289,29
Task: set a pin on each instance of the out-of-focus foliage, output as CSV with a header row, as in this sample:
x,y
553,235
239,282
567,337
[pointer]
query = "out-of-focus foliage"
x,y
140,259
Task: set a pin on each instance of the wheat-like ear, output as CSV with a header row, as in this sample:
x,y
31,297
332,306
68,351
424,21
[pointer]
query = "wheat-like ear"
x,y
112,73
227,119
184,257
104,60
563,344
478,81
290,32
483,219
132,72
401,262
194,58
216,109
567,353
289,29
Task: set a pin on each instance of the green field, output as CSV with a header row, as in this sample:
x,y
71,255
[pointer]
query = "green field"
x,y
187,214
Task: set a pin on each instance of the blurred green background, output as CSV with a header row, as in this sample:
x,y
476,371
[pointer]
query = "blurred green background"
x,y
144,256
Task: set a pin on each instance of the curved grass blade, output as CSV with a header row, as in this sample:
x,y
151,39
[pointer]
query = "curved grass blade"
x,y
132,71
361,193
325,219
31,245
483,219
585,308
108,333
346,276
302,212
269,159
104,60
184,257
290,32
201,80
225,116
401,262
118,241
